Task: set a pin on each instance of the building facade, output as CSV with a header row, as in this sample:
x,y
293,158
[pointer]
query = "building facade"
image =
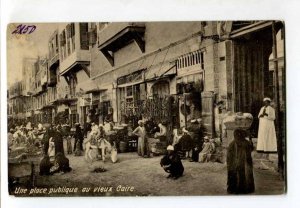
x,y
166,71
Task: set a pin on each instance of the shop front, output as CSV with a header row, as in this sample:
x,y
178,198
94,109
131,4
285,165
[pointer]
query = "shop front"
x,y
189,86
131,93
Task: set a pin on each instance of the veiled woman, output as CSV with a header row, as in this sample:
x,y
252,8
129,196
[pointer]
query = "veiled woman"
x,y
239,165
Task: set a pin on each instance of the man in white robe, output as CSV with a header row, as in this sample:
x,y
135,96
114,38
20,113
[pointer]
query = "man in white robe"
x,y
266,141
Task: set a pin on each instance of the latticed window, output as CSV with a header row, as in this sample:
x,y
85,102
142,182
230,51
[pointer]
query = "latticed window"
x,y
191,59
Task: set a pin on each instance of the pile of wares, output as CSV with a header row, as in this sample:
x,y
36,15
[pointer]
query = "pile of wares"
x,y
238,120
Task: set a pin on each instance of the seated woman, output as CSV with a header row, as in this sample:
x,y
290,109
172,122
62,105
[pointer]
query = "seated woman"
x,y
61,164
45,165
172,164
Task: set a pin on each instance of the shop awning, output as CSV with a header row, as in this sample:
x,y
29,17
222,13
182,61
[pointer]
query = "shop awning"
x,y
64,100
51,105
88,86
160,71
95,90
255,27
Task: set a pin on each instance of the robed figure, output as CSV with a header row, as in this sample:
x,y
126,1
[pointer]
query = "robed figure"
x,y
266,140
240,178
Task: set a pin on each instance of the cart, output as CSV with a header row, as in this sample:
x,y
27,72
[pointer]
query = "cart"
x,y
21,171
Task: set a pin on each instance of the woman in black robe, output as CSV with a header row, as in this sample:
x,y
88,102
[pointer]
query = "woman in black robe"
x,y
58,142
61,164
49,133
239,165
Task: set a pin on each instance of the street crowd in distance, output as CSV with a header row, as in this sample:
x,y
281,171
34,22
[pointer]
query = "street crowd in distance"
x,y
97,142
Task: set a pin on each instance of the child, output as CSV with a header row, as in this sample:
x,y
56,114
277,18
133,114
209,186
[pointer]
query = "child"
x,y
114,153
207,150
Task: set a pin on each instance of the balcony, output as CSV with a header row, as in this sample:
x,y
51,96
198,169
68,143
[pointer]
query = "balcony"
x,y
44,80
54,61
52,78
117,35
53,51
79,59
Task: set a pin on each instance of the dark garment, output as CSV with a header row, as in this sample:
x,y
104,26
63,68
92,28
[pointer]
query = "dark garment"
x,y
87,128
58,142
45,166
239,166
195,154
45,143
173,161
78,138
186,142
63,163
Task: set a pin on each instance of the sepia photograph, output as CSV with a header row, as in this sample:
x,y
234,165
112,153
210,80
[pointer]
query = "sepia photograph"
x,y
157,108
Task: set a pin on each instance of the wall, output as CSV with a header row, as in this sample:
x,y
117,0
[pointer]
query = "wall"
x,y
169,32
103,73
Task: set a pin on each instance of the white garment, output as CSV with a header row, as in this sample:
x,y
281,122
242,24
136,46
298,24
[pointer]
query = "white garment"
x,y
51,149
266,140
107,127
114,155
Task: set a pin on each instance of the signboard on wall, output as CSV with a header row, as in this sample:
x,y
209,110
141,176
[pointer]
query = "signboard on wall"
x,y
133,77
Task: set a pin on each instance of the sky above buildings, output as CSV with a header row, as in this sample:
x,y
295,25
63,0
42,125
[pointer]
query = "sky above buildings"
x,y
20,46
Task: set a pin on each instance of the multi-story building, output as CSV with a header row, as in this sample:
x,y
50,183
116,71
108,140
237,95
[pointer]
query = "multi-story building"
x,y
75,68
57,86
220,61
16,104
39,92
29,70
132,64
162,70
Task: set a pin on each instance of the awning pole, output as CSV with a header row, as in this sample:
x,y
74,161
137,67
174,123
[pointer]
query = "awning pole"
x,y
277,101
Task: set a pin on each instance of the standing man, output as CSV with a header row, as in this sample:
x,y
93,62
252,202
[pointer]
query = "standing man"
x,y
266,141
141,133
78,137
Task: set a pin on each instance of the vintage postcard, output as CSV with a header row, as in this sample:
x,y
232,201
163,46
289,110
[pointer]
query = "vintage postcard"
x,y
146,108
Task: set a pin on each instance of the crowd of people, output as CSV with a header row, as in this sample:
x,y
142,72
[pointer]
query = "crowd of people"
x,y
44,140
189,142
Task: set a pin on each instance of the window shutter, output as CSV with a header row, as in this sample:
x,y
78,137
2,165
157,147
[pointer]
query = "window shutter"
x,y
61,39
92,37
64,37
68,31
84,36
72,29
